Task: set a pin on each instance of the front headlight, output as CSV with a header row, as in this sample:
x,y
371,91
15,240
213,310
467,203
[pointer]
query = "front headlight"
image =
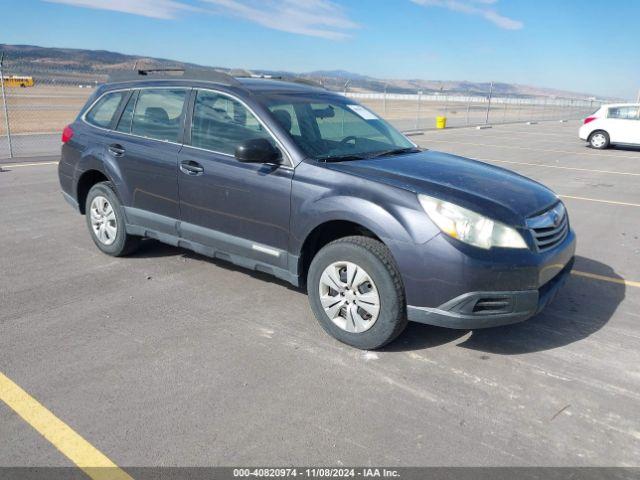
x,y
470,227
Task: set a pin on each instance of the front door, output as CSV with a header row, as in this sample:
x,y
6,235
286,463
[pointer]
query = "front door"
x,y
239,209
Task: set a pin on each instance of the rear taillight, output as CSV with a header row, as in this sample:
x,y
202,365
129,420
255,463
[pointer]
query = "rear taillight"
x,y
67,134
589,119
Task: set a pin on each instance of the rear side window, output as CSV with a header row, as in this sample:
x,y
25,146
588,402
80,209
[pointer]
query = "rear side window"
x,y
221,123
625,113
101,114
158,114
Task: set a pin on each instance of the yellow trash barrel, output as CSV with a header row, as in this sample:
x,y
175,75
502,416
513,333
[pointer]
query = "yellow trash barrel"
x,y
441,122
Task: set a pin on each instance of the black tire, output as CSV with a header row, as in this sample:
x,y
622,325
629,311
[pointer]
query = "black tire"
x,y
375,258
124,244
595,140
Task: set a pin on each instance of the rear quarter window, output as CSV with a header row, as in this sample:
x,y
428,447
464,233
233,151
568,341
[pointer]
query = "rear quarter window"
x,y
101,114
624,113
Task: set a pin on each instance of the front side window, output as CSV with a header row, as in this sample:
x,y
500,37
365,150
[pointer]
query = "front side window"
x,y
158,114
221,123
101,114
624,113
329,127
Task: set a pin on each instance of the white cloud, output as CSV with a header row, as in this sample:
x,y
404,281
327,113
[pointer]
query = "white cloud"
x,y
482,8
163,9
316,18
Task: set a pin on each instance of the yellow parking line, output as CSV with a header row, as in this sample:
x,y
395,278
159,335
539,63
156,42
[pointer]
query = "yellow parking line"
x,y
561,168
604,278
96,465
536,149
17,165
601,201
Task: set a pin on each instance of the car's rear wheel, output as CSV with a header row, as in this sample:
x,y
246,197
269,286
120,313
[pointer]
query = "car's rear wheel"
x,y
106,221
356,292
599,139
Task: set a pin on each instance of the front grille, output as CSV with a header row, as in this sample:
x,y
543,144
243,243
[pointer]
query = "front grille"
x,y
550,228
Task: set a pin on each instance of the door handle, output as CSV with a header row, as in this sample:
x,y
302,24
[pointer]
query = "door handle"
x,y
116,149
191,168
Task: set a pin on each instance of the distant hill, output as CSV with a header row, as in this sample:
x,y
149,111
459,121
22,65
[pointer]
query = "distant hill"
x,y
29,59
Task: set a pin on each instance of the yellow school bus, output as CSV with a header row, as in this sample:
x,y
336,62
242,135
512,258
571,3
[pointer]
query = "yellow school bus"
x,y
18,81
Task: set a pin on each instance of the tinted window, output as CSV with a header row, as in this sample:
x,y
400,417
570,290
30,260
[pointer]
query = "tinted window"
x,y
158,114
221,123
626,113
124,124
102,112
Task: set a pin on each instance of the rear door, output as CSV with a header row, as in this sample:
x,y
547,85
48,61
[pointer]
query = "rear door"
x,y
146,142
623,124
237,208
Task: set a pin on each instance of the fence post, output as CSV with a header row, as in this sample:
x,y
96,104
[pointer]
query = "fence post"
x,y
486,120
504,111
418,111
6,109
384,100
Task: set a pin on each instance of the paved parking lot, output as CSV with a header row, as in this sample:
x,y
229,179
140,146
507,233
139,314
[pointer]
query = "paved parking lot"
x,y
169,358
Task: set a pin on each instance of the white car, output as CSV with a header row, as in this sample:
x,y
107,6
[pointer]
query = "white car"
x,y
612,124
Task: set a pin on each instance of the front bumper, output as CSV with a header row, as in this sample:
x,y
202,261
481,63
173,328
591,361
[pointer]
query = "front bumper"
x,y
490,309
448,283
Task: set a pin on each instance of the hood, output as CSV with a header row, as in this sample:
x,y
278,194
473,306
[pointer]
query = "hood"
x,y
489,190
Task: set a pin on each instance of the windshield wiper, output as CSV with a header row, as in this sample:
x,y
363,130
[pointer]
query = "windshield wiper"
x,y
394,151
342,158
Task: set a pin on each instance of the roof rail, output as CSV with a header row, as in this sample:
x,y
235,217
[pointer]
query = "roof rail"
x,y
170,74
303,80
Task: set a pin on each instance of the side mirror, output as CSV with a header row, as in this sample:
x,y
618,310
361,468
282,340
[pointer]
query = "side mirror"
x,y
258,150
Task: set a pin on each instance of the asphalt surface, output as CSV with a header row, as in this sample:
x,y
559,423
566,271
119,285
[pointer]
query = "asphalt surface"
x,y
169,358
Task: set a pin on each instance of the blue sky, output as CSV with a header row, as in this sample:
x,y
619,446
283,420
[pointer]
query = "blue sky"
x,y
583,46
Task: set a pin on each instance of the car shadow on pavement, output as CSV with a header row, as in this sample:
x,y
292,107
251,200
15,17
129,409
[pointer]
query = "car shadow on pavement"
x,y
624,148
150,248
582,307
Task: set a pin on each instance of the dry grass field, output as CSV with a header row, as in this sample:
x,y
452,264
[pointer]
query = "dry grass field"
x,y
43,108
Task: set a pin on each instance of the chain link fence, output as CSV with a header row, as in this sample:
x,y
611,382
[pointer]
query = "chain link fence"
x,y
415,112
39,101
37,104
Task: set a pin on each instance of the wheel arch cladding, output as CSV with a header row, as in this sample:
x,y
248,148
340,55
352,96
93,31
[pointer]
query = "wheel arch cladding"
x,y
87,180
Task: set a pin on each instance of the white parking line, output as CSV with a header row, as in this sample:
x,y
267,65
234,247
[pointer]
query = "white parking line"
x,y
635,157
18,165
599,200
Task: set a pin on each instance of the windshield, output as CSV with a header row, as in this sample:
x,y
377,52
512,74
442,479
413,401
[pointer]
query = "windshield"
x,y
333,128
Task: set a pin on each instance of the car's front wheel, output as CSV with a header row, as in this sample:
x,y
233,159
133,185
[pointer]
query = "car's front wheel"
x,y
356,292
106,221
599,140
